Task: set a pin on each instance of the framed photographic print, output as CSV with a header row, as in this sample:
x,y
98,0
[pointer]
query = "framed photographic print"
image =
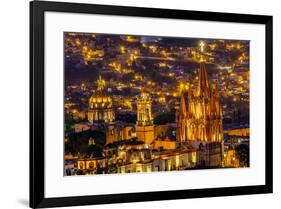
x,y
135,104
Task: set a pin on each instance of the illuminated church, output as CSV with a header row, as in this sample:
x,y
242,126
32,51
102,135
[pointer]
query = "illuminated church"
x,y
100,105
199,119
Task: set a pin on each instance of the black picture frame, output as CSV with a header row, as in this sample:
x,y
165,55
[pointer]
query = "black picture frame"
x,y
37,196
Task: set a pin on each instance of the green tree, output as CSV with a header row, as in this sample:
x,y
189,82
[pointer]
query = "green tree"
x,y
68,123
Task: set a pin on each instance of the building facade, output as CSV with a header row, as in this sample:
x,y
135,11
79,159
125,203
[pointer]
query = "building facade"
x,y
119,132
140,158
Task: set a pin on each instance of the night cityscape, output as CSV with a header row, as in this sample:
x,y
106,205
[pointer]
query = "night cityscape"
x,y
151,104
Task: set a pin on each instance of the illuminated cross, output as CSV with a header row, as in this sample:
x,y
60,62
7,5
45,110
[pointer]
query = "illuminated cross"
x,y
101,84
202,46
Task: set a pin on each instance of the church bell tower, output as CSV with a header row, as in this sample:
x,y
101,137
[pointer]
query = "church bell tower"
x,y
144,126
